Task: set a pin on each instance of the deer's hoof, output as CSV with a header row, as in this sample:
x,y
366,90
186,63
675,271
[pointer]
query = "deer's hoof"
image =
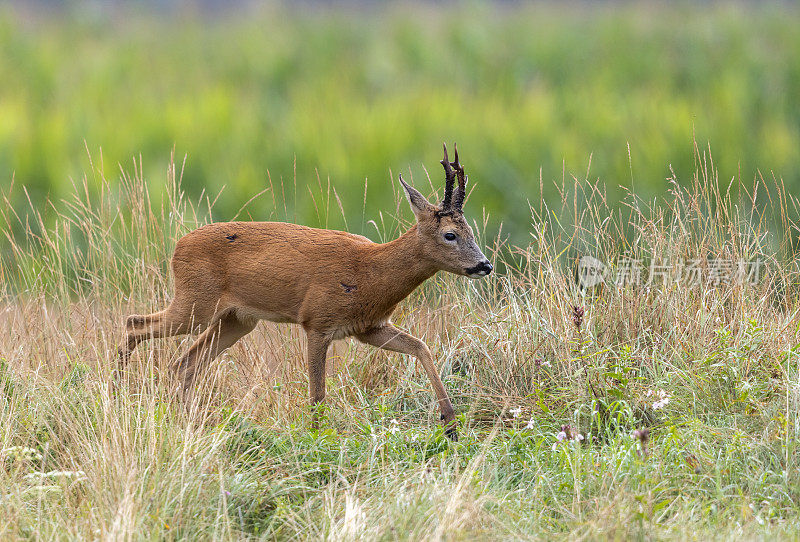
x,y
451,432
450,429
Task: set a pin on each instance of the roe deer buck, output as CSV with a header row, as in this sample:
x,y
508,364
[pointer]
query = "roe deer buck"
x,y
228,276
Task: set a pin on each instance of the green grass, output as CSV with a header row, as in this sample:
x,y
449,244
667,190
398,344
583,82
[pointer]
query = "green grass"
x,y
241,462
255,99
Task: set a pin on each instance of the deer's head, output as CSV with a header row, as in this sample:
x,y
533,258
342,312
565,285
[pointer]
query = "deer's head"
x,y
447,239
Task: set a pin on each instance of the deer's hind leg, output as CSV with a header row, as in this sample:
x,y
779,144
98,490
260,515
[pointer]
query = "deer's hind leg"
x,y
225,329
177,319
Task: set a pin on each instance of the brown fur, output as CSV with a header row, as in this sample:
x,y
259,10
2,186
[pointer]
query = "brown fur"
x,y
228,276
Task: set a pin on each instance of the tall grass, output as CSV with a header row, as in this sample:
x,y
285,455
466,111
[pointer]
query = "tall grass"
x,y
522,353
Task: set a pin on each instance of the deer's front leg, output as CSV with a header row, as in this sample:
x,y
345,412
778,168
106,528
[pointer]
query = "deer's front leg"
x,y
391,338
317,353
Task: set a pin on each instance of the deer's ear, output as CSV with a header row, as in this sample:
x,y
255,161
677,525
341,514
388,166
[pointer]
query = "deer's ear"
x,y
420,205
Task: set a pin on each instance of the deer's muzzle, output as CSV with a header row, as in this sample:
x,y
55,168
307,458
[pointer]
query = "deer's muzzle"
x,y
480,270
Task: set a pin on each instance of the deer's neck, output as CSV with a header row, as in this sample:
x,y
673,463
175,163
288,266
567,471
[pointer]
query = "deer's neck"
x,y
400,267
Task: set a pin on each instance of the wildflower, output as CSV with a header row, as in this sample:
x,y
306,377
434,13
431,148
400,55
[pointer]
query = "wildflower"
x,y
394,426
540,362
515,412
660,404
530,424
567,434
662,398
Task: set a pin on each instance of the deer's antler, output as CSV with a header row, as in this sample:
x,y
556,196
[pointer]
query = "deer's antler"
x,y
461,191
449,181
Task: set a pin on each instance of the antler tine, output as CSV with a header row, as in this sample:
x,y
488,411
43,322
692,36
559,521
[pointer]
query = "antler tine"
x,y
461,191
450,178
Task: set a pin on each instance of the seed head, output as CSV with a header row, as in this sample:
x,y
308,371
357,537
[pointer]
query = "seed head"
x,y
577,316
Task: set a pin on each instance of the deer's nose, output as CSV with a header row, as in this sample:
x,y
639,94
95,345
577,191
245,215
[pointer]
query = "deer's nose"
x,y
480,270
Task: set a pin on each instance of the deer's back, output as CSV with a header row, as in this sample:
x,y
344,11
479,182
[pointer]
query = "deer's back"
x,y
275,270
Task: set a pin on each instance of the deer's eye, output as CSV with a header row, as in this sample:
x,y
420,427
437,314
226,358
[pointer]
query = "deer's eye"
x,y
450,236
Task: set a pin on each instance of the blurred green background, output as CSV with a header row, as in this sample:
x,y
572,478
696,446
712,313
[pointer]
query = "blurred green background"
x,y
352,91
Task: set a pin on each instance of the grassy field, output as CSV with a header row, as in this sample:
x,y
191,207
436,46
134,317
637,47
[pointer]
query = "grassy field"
x,y
706,373
632,409
615,91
